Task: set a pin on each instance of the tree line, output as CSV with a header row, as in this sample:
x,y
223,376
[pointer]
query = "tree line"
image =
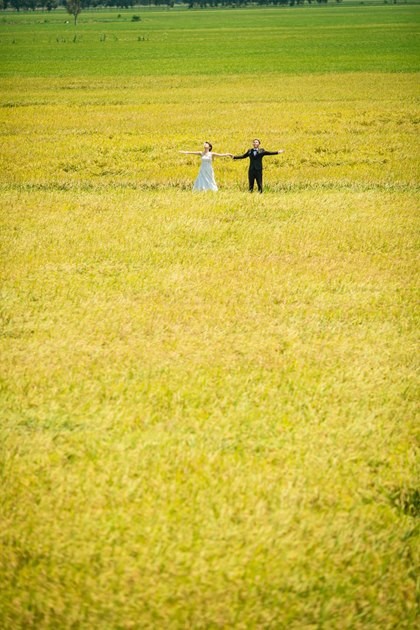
x,y
49,5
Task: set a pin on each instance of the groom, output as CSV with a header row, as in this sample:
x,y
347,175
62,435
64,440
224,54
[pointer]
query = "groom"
x,y
255,156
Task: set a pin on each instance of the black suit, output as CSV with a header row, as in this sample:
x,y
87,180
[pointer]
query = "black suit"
x,y
255,166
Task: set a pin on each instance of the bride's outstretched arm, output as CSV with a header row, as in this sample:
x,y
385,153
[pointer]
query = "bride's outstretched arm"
x,y
222,154
191,152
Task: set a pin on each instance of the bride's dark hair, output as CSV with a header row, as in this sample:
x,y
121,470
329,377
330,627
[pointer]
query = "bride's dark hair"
x,y
210,145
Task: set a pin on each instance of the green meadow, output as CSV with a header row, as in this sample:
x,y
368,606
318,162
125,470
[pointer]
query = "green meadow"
x,y
209,402
211,42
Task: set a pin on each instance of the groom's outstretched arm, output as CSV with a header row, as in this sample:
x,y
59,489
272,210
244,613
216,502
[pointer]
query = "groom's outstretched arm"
x,y
273,152
241,157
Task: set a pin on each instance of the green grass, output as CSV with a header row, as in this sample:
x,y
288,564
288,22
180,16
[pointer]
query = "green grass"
x,y
318,39
209,403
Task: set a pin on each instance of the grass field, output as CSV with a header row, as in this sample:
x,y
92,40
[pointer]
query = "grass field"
x,y
209,402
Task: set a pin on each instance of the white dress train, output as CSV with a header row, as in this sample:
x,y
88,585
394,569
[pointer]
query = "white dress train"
x,y
205,178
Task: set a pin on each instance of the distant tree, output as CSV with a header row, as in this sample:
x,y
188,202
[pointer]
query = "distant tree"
x,y
17,4
74,7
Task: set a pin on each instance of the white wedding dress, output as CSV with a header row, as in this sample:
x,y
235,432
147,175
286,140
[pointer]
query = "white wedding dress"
x,y
205,179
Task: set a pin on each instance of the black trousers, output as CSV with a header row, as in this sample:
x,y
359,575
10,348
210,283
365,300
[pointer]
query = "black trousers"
x,y
255,176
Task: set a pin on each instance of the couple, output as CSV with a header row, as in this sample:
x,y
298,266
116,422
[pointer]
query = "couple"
x,y
205,179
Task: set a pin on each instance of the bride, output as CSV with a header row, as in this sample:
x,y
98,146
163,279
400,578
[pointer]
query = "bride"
x,y
205,179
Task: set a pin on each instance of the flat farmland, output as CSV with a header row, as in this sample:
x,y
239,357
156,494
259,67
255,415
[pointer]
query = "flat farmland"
x,y
209,402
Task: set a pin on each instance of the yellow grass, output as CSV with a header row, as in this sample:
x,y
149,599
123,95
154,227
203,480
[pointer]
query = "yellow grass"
x,y
337,130
209,401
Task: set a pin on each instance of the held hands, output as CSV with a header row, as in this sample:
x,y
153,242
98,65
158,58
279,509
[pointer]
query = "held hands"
x,y
281,151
